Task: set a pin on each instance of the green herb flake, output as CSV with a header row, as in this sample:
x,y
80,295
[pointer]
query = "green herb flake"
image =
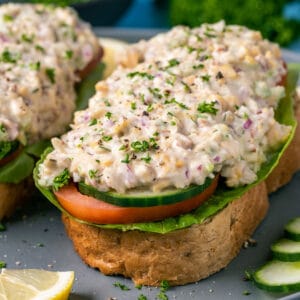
x,y
146,159
162,296
208,107
149,107
26,38
140,146
40,48
126,160
50,72
2,264
164,285
198,67
205,78
93,173
155,92
172,63
35,66
246,293
171,80
142,297
133,105
69,54
8,57
93,122
174,101
106,102
108,115
123,287
107,138
187,88
140,74
61,180
7,18
138,286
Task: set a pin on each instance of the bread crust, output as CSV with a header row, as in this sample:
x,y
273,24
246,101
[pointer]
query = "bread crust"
x,y
14,195
181,256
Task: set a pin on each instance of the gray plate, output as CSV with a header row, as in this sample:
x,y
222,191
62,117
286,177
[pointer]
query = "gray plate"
x,y
35,238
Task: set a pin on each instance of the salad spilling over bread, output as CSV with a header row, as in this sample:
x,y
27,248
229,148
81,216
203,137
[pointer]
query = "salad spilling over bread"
x,y
44,52
162,177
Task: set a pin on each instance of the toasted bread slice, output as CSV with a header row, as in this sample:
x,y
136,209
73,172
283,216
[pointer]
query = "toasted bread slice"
x,y
181,256
14,196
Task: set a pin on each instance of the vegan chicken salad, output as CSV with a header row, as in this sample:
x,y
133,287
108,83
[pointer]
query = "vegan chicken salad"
x,y
200,102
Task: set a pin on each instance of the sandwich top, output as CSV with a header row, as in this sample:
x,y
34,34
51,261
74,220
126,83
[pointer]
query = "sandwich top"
x,y
199,102
41,48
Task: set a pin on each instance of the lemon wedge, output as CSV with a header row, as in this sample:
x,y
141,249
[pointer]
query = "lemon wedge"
x,y
114,52
35,284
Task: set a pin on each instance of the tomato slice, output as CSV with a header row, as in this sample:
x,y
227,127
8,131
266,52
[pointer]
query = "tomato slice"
x,y
90,209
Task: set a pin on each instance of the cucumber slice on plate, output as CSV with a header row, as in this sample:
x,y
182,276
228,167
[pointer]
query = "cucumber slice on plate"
x,y
278,276
292,229
286,250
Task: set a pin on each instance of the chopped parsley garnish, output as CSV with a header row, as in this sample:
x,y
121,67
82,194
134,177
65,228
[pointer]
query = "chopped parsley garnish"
x,y
50,72
140,146
7,57
2,128
164,285
172,63
186,87
108,115
155,92
146,159
197,67
123,287
208,107
126,160
140,74
171,80
204,57
205,78
133,105
61,180
40,48
7,18
93,122
106,102
180,104
162,296
35,66
93,173
149,107
26,38
107,138
142,297
2,264
69,54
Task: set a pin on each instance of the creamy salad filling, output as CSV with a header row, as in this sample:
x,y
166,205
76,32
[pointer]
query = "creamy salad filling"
x,y
41,48
199,102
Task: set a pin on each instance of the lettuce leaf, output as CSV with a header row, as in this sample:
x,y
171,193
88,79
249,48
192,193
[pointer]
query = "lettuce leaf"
x,y
22,166
223,195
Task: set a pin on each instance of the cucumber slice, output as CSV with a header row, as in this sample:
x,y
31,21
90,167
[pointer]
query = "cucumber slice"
x,y
286,250
278,276
144,198
292,229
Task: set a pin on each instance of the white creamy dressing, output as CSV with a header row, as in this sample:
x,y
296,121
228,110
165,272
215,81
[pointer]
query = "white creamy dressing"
x,y
200,102
41,48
